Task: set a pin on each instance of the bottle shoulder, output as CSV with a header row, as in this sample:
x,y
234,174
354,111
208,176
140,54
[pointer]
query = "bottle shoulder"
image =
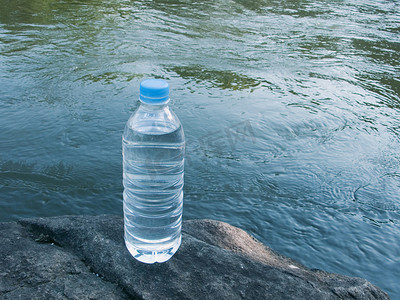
x,y
147,121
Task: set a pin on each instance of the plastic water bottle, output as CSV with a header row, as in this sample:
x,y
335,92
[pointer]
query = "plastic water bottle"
x,y
153,148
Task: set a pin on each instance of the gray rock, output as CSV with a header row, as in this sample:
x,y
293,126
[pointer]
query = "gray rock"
x,y
33,266
84,257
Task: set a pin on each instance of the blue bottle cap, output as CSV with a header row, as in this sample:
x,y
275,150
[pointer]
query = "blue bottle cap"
x,y
154,91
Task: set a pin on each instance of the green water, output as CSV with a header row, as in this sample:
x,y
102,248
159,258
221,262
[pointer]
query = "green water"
x,y
291,111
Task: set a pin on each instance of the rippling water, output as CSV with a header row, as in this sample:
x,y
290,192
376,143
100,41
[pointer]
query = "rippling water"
x,y
291,111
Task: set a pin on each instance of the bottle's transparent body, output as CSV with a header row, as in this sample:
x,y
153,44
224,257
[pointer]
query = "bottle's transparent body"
x,y
153,147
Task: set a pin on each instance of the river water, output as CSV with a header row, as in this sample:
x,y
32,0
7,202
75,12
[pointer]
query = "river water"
x,y
291,111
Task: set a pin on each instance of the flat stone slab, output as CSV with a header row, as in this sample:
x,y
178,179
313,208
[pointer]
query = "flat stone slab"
x,y
84,257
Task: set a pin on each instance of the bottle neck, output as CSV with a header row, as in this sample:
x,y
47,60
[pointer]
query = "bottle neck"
x,y
154,107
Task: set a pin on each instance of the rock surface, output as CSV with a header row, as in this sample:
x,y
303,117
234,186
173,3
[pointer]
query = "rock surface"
x,y
84,257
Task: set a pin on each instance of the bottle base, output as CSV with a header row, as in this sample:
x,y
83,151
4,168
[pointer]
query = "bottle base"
x,y
151,256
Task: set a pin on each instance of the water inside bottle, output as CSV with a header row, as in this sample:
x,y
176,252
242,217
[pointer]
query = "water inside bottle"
x,y
153,160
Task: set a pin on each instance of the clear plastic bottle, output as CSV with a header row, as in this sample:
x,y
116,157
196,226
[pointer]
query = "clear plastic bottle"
x,y
153,148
